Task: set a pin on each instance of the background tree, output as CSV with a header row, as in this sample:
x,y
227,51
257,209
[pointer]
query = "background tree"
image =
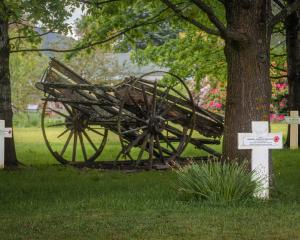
x,y
20,18
175,53
292,25
286,55
25,71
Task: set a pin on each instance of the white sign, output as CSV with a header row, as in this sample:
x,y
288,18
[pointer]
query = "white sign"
x,y
292,120
272,140
8,132
260,141
4,133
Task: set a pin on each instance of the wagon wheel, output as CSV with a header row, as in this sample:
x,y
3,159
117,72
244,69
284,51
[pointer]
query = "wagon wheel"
x,y
70,135
156,118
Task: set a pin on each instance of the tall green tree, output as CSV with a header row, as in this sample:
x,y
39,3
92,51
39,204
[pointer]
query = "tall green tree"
x,y
287,55
244,25
25,71
175,53
20,18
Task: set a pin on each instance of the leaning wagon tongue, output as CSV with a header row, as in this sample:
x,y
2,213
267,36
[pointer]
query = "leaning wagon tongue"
x,y
154,119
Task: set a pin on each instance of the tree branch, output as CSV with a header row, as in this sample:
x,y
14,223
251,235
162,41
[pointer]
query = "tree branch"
x,y
278,77
211,16
222,30
277,45
90,45
288,10
98,4
278,55
33,36
278,68
189,19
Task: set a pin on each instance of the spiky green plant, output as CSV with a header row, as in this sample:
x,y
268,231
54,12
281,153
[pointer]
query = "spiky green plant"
x,y
217,182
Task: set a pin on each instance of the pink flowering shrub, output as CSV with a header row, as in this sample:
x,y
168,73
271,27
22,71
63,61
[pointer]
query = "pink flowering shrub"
x,y
213,98
210,98
279,106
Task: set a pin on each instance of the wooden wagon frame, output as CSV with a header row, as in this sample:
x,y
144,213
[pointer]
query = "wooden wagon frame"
x,y
154,119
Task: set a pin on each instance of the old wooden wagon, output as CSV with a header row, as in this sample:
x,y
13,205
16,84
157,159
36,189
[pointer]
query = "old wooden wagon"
x,y
154,119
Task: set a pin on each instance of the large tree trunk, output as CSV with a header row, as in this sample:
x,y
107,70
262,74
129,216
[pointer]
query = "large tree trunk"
x,y
5,91
292,25
248,87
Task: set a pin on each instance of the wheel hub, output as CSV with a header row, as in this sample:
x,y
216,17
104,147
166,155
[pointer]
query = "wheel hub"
x,y
77,123
156,124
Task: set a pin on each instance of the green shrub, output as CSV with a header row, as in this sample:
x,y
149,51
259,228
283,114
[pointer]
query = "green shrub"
x,y
217,182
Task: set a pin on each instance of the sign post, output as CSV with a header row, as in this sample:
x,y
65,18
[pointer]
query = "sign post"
x,y
260,141
293,120
4,133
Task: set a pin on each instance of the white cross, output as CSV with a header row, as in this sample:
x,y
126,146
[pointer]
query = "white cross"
x,y
4,133
260,141
293,120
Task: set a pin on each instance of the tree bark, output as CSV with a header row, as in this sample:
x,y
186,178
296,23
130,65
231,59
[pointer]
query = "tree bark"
x,y
292,25
5,90
248,86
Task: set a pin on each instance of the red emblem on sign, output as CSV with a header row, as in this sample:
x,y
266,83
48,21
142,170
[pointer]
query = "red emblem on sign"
x,y
276,139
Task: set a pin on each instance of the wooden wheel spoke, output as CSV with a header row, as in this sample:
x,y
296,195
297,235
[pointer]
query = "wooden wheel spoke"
x,y
151,143
89,140
63,133
74,147
82,146
134,130
154,98
159,147
163,96
145,98
59,113
136,104
130,157
169,107
143,147
68,109
133,117
119,155
66,143
134,142
167,151
173,118
168,142
175,131
95,131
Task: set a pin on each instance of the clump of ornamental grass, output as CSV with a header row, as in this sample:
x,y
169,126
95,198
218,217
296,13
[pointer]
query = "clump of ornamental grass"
x,y
217,182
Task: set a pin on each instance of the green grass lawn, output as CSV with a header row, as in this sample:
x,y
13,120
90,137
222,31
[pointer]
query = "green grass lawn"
x,y
49,201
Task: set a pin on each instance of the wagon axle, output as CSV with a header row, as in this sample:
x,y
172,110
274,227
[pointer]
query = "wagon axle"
x,y
156,124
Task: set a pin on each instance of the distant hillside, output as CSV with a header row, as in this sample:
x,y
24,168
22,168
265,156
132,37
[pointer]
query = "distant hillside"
x,y
55,40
